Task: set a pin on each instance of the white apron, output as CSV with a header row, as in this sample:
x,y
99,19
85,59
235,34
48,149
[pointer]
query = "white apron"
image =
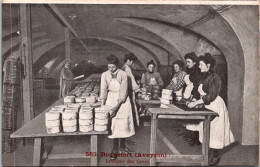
x,y
189,87
122,125
220,132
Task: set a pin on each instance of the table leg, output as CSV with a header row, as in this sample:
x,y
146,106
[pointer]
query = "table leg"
x,y
37,151
93,143
153,138
205,142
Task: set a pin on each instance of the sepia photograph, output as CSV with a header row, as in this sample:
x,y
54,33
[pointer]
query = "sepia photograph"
x,y
130,84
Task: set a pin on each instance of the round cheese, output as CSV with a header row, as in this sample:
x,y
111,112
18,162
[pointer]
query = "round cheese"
x,y
69,128
165,101
71,110
51,123
69,99
69,122
69,115
73,106
100,127
101,115
85,121
80,100
88,128
101,121
85,115
52,115
167,91
53,129
167,96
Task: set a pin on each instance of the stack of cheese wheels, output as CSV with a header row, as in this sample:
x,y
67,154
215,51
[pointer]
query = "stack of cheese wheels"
x,y
52,122
69,119
101,118
69,99
166,96
59,108
86,119
90,99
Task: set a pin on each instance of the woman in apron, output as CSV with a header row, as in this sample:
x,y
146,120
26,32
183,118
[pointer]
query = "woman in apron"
x,y
209,88
114,93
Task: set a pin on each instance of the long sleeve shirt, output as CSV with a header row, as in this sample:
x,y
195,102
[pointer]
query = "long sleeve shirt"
x,y
211,86
195,77
146,78
132,85
121,77
177,81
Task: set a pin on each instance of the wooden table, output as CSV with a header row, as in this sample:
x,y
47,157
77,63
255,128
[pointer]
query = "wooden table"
x,y
177,111
36,129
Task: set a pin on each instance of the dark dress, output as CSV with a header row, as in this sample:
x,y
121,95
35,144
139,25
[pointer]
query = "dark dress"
x,y
195,77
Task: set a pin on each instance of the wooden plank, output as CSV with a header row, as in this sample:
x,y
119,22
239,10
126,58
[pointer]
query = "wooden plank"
x,y
181,117
63,19
205,142
93,143
153,140
167,143
66,156
181,158
26,46
67,43
174,110
37,151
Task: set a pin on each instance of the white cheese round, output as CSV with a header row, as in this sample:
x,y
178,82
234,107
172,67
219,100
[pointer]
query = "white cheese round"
x,y
85,121
101,115
165,101
85,115
53,129
100,127
52,115
167,91
80,100
167,96
88,128
51,123
101,121
69,128
69,115
69,122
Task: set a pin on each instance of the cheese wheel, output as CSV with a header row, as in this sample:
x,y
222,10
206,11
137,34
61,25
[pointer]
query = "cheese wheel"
x,y
101,115
80,100
71,110
69,115
85,94
167,97
51,123
69,128
167,91
69,99
73,106
85,121
52,115
165,101
101,121
53,129
88,128
100,127
69,122
85,106
85,115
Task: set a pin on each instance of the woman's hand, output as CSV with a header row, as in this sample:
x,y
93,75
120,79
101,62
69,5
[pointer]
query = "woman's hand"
x,y
192,104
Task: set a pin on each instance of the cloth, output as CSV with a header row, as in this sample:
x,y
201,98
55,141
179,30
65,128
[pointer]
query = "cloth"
x,y
66,77
189,87
106,78
122,124
132,87
195,78
147,77
220,131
